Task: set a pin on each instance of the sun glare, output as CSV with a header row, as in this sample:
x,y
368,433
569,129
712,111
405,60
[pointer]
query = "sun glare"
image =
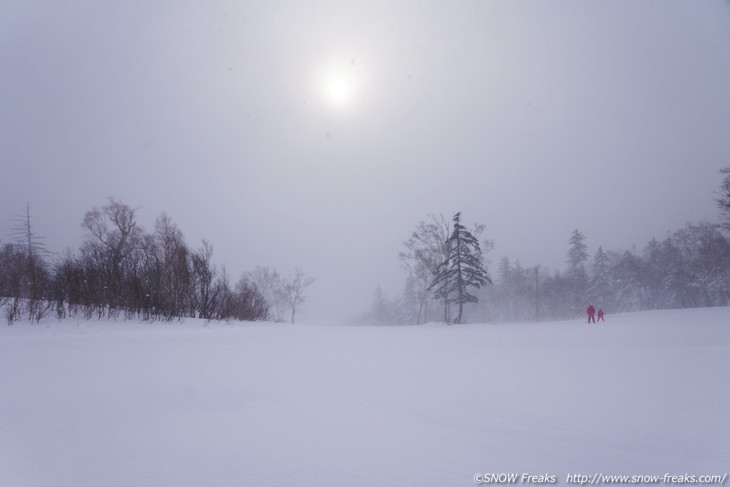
x,y
339,91
337,88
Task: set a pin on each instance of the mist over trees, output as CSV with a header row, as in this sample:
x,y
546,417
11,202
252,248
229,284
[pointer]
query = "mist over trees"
x,y
291,290
121,271
689,268
443,261
425,250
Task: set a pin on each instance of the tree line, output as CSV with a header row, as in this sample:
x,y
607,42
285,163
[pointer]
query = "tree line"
x,y
689,268
121,271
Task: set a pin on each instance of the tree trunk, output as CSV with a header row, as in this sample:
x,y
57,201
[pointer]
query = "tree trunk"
x,y
420,310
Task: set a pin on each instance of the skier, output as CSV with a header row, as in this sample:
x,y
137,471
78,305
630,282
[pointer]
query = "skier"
x,y
591,314
600,315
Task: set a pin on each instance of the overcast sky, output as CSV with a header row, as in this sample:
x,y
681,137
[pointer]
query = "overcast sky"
x,y
318,134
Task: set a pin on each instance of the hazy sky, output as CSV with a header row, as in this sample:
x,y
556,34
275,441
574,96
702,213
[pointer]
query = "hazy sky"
x,y
318,134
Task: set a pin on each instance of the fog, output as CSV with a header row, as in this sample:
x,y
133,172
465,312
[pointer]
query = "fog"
x,y
318,134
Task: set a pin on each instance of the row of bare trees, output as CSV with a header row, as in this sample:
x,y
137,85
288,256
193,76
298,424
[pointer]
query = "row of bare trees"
x,y
122,271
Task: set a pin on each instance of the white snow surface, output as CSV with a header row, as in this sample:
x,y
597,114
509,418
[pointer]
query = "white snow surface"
x,y
104,403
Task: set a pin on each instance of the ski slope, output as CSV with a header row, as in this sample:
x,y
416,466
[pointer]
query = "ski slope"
x,y
85,403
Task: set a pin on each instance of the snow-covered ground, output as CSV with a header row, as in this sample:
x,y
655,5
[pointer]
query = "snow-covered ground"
x,y
129,404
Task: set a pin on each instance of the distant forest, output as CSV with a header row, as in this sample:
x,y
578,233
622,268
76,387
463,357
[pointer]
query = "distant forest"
x,y
688,269
120,271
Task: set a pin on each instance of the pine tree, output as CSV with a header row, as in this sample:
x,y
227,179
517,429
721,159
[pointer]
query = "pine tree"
x,y
577,253
627,273
723,202
600,286
576,274
653,274
461,270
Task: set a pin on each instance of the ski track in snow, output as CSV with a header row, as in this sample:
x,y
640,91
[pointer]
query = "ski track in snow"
x,y
183,404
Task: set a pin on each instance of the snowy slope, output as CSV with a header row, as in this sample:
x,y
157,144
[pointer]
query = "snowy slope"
x,y
128,404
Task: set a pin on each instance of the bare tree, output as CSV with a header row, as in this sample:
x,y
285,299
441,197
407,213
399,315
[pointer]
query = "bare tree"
x,y
25,237
205,294
113,238
268,282
424,251
223,304
172,260
292,290
248,303
32,268
67,284
12,272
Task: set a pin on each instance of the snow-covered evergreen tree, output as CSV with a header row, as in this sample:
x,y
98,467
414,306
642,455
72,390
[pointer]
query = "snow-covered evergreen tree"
x,y
700,266
600,286
462,269
627,275
577,252
724,201
675,276
653,274
576,274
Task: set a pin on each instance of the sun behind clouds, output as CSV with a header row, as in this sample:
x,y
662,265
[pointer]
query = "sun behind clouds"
x,y
338,87
339,91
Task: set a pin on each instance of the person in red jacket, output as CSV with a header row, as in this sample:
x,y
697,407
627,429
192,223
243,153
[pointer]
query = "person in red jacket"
x,y
591,314
600,315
